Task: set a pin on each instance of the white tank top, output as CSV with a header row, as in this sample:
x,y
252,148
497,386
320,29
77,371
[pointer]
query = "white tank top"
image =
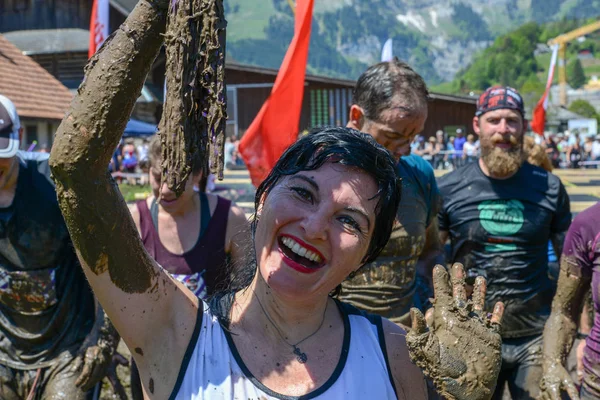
x,y
213,369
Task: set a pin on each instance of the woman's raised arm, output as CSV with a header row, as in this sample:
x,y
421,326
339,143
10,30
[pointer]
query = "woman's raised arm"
x,y
154,317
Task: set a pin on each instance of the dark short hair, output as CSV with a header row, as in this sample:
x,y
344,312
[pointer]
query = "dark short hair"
x,y
351,148
378,85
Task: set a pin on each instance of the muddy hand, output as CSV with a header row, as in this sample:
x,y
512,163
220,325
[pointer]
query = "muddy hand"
x,y
93,365
459,348
556,378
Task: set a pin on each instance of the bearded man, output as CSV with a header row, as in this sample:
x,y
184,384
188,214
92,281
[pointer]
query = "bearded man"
x,y
499,214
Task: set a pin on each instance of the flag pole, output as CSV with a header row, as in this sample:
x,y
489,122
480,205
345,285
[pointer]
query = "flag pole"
x,y
292,6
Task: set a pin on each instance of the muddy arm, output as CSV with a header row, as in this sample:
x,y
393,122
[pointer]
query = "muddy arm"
x,y
138,296
561,328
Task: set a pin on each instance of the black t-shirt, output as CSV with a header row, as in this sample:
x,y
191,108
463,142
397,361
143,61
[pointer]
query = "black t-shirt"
x,y
46,304
500,229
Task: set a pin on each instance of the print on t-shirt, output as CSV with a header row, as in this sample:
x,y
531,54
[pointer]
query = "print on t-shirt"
x,y
501,218
195,283
28,291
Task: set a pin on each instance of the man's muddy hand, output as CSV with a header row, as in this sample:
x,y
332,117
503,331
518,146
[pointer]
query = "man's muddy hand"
x,y
93,365
459,346
556,379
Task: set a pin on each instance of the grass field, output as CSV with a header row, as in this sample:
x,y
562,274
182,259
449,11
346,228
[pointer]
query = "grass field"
x,y
132,193
249,22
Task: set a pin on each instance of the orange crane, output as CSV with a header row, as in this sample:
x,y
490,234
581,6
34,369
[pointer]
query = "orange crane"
x,y
562,41
292,5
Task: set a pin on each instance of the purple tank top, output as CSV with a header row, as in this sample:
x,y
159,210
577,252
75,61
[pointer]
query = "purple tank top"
x,y
202,268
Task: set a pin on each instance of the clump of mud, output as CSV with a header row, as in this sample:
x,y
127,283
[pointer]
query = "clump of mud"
x,y
195,109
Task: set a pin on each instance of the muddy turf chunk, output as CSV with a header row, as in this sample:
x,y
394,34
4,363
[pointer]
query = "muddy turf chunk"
x,y
194,114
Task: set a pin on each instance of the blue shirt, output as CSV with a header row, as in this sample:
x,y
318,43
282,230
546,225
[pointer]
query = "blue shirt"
x,y
459,143
388,286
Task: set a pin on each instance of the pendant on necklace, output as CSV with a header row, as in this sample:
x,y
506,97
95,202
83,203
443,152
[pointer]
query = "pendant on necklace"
x,y
300,356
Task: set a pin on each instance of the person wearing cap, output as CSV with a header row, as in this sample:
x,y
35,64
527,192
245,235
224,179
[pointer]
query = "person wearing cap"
x,y
499,214
54,340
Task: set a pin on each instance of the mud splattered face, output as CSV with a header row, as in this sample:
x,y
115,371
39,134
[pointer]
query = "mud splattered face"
x,y
314,229
397,128
166,197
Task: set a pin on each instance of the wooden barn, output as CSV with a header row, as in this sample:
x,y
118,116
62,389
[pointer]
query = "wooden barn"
x,y
327,101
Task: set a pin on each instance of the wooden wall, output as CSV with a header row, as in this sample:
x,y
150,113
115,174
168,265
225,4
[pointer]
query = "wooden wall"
x,y
44,14
66,67
18,15
444,114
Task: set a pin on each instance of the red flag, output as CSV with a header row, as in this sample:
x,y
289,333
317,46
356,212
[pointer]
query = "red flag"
x,y
275,127
98,25
538,122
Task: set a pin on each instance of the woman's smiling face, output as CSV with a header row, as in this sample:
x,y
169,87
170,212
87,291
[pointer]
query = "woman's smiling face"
x,y
314,229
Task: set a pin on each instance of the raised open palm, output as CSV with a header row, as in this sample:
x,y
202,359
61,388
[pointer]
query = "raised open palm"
x,y
459,346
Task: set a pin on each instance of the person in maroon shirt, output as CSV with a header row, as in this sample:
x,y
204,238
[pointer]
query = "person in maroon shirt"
x,y
191,236
579,271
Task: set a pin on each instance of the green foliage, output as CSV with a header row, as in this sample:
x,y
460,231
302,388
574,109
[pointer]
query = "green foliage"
x,y
583,108
575,74
533,86
509,61
340,38
348,34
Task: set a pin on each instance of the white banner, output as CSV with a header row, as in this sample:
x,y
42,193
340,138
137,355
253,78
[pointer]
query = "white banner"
x,y
550,74
387,53
99,27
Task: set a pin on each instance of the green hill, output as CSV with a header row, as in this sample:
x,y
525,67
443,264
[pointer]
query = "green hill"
x,y
437,37
519,59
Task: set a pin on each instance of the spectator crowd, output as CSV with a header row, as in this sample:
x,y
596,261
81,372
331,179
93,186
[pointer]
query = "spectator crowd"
x,y
564,149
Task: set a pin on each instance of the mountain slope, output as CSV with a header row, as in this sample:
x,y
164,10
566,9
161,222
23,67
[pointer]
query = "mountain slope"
x,y
437,37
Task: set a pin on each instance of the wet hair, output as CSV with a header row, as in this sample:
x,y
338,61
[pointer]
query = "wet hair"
x,y
353,149
337,145
377,86
199,163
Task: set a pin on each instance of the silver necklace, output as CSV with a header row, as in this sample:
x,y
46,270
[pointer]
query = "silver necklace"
x,y
300,356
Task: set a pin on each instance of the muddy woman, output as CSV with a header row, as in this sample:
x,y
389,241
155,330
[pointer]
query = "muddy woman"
x,y
325,210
